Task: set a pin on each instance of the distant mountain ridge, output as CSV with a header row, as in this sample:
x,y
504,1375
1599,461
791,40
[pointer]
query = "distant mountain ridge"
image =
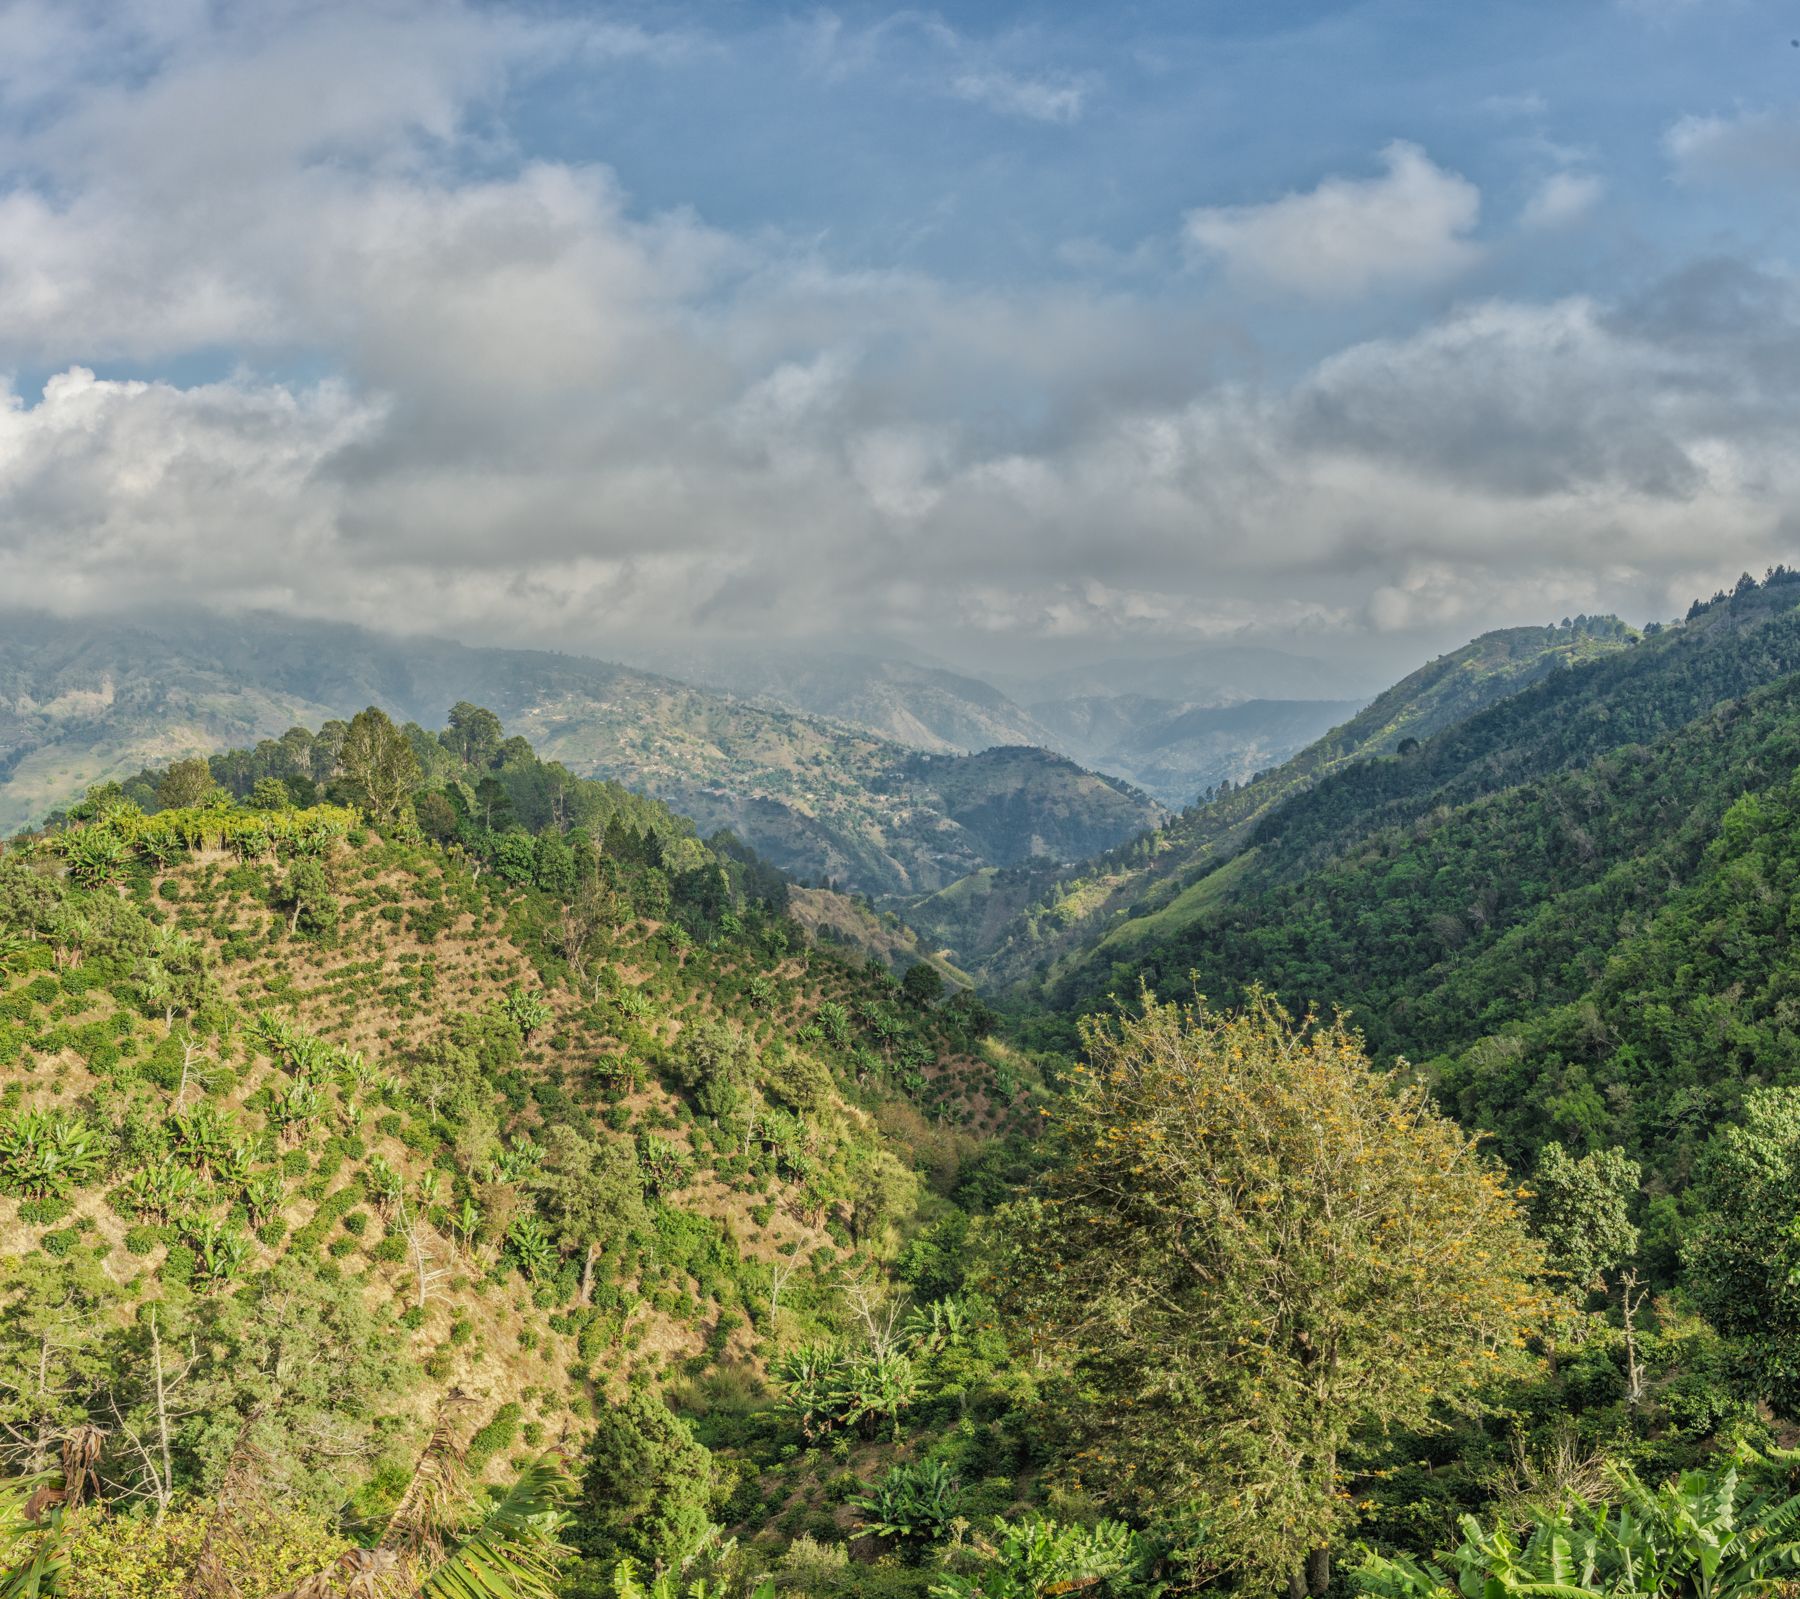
x,y
80,702
1172,726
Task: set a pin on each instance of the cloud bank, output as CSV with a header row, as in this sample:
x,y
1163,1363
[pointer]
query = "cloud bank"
x,y
457,388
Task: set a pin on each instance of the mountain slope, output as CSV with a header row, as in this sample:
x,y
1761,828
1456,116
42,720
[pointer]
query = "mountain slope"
x,y
1575,905
81,702
383,1136
1012,925
1179,754
924,707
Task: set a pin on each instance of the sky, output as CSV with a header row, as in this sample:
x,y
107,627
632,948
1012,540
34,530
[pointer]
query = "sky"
x,y
1009,331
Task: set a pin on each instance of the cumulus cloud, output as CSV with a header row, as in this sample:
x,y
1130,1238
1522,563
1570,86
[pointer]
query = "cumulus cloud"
x,y
1562,198
1350,235
552,417
1745,147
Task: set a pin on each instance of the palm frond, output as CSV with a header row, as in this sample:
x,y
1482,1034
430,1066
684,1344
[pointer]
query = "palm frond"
x,y
515,1551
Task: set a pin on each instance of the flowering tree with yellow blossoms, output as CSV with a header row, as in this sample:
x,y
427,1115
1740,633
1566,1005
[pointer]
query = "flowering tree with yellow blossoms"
x,y
1256,1251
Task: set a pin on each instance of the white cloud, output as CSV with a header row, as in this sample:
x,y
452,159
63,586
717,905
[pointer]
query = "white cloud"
x,y
1749,146
921,49
553,418
1562,198
1349,235
1035,99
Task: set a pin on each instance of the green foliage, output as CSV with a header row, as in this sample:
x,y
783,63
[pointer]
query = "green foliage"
x,y
44,1153
650,1487
1702,1535
913,1501
1255,1249
1743,1255
1583,1210
1037,1557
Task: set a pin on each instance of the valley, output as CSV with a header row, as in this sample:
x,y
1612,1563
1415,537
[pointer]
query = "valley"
x,y
729,1227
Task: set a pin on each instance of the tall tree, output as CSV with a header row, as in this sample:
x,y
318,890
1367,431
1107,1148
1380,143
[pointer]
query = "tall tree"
x,y
379,762
594,1193
186,783
1743,1255
1254,1248
474,734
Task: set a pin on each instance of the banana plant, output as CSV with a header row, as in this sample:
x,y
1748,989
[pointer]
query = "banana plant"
x,y
530,1242
1036,1558
526,1010
161,1192
264,1195
219,1251
34,1555
202,1137
386,1186
44,1153
1700,1536
302,1103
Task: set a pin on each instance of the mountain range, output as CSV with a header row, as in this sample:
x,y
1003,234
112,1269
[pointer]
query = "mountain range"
x,y
826,800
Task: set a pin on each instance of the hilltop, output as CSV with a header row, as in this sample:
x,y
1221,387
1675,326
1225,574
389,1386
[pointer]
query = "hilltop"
x,y
83,703
505,1128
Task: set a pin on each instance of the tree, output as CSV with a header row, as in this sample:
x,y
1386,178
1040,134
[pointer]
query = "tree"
x,y
649,1488
1254,1249
270,794
437,816
593,1194
186,783
923,984
1743,1255
380,764
308,897
474,734
53,1365
1583,1211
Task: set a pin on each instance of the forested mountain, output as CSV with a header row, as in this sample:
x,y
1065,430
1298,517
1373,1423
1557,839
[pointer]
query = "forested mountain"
x,y
324,1144
1574,905
1188,736
1014,925
426,1172
81,702
1177,753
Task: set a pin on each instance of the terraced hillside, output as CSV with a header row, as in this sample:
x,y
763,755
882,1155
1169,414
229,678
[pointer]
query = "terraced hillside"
x,y
360,1133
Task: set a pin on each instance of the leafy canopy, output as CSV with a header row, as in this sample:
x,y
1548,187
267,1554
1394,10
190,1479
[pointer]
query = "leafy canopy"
x,y
1254,1248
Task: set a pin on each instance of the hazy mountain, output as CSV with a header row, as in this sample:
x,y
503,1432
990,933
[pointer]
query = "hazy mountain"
x,y
1177,753
1209,674
926,706
80,702
1196,732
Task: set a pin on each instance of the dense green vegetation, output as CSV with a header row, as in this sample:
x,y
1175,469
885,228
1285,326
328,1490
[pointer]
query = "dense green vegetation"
x,y
426,1171
1012,925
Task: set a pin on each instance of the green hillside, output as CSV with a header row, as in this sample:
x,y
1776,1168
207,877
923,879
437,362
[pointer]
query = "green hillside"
x,y
495,1132
1014,925
426,1172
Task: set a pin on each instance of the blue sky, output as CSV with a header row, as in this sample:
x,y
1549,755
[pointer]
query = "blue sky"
x,y
982,326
